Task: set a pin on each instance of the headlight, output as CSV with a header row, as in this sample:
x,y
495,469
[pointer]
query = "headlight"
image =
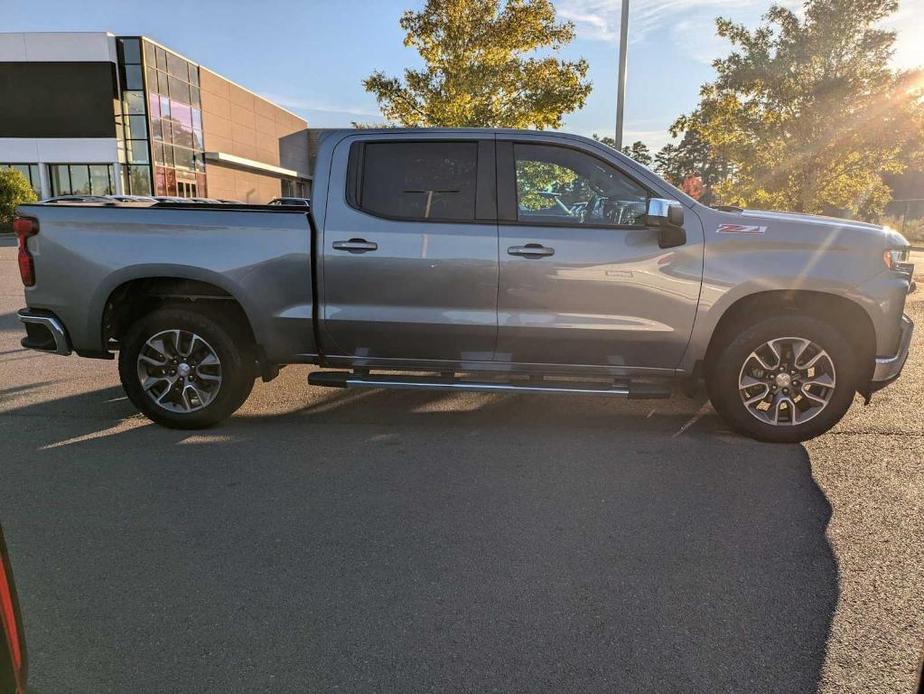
x,y
897,259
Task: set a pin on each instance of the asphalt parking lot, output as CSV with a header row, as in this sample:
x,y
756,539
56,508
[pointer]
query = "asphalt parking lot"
x,y
410,541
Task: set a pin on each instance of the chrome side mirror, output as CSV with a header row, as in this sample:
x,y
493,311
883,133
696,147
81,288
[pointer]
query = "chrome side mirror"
x,y
666,216
661,211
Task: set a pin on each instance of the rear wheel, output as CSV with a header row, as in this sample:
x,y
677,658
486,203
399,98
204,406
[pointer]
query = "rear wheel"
x,y
785,378
183,369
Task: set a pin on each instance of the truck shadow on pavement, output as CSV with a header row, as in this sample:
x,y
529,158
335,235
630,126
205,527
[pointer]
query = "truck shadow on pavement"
x,y
411,541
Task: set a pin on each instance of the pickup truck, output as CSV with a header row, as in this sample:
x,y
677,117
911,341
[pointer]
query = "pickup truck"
x,y
476,260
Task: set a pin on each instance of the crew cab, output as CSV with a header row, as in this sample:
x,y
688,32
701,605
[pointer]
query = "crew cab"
x,y
470,259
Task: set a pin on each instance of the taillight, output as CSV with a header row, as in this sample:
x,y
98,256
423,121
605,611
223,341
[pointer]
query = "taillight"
x,y
9,621
24,227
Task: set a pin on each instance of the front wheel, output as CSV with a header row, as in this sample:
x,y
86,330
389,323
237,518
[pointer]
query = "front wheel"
x,y
184,370
785,378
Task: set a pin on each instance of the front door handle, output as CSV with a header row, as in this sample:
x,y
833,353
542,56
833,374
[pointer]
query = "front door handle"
x,y
356,246
531,250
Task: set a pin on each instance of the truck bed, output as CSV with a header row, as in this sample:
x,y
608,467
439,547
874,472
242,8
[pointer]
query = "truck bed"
x,y
258,255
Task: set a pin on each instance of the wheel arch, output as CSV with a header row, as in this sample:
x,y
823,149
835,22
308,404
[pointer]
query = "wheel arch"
x,y
847,316
129,296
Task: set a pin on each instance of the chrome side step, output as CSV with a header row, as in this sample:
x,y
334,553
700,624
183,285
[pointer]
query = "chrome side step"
x,y
346,379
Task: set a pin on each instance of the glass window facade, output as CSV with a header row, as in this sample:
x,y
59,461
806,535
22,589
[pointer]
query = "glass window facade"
x,y
129,51
158,122
131,77
30,171
81,179
131,115
174,113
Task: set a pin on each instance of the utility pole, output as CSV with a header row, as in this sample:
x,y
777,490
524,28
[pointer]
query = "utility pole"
x,y
623,57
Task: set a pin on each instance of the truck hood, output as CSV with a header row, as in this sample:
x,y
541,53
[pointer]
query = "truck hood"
x,y
889,237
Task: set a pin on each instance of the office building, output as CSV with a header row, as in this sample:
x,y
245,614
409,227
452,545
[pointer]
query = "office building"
x,y
93,113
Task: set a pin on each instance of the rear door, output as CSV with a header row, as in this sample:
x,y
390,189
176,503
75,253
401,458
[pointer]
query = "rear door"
x,y
409,250
582,280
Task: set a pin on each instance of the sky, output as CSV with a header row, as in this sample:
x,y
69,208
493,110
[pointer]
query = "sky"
x,y
311,56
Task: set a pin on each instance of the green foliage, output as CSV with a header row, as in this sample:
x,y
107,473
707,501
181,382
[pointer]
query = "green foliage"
x,y
639,151
487,63
537,177
691,156
14,190
605,140
805,113
359,125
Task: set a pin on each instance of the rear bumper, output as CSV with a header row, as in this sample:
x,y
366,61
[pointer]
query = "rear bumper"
x,y
44,332
887,369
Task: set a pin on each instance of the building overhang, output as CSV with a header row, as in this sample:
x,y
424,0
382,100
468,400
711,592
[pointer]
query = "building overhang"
x,y
254,166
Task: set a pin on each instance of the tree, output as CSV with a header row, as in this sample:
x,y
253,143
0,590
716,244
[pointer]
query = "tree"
x,y
638,150
666,164
806,114
487,63
691,158
14,190
692,185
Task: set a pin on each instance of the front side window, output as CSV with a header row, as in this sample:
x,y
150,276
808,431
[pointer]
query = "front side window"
x,y
419,180
557,185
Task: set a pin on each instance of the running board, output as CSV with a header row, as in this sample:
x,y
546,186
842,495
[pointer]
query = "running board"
x,y
347,379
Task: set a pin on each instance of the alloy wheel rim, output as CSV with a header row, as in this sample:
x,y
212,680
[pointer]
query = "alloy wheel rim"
x,y
787,381
179,371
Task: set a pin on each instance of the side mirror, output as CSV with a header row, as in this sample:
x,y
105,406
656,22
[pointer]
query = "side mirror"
x,y
666,216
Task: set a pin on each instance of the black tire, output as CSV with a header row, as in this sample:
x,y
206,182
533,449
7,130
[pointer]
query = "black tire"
x,y
728,360
237,369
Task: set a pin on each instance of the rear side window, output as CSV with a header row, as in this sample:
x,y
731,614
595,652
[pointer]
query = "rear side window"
x,y
419,180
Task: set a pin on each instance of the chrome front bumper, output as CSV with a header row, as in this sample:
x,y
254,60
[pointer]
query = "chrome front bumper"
x,y
888,368
45,332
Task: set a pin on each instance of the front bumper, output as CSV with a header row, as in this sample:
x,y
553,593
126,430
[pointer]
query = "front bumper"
x,y
44,332
887,369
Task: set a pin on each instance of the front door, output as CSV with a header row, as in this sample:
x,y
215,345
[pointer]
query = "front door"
x,y
409,251
582,280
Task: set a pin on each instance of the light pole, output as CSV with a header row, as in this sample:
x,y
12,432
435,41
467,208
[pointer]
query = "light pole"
x,y
623,57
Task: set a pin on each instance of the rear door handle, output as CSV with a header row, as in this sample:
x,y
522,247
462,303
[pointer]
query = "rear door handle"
x,y
531,250
356,246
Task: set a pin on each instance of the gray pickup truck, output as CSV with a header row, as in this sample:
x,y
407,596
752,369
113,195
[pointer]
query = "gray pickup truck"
x,y
485,260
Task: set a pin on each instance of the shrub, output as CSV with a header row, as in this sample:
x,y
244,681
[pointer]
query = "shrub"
x,y
14,190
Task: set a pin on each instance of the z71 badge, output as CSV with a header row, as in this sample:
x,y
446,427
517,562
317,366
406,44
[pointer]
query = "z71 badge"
x,y
740,229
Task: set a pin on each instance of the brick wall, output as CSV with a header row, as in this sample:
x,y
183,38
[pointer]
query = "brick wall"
x,y
238,122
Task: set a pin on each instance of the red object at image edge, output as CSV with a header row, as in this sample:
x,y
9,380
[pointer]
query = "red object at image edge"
x,y
10,624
